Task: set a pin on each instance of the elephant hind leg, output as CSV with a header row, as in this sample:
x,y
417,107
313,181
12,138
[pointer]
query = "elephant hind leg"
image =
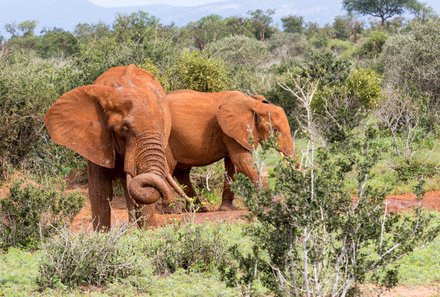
x,y
182,176
228,195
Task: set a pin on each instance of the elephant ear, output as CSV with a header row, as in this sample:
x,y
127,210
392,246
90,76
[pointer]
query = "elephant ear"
x,y
77,121
238,120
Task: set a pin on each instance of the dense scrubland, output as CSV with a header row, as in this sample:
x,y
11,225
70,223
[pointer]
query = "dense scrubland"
x,y
362,96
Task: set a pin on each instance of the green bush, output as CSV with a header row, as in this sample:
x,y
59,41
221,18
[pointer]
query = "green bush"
x,y
411,62
310,236
87,259
340,107
28,86
192,247
30,214
372,46
244,57
197,72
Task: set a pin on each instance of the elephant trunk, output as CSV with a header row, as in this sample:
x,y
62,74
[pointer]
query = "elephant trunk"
x,y
148,183
147,188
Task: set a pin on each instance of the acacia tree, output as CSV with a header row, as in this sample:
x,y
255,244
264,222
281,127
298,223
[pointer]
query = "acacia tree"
x,y
383,9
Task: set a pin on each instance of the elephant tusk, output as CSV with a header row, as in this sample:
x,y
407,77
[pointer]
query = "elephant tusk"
x,y
176,188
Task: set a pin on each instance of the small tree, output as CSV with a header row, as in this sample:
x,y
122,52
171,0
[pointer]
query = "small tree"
x,y
207,29
261,21
378,8
402,116
57,43
293,24
347,27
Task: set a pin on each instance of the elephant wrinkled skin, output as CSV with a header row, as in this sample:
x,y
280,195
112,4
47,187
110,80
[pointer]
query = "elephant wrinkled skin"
x,y
121,125
207,127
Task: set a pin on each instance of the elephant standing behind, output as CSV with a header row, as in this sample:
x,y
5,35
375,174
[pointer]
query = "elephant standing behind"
x,y
121,125
207,127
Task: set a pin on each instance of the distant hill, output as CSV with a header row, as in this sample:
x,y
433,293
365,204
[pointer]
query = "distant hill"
x,y
67,13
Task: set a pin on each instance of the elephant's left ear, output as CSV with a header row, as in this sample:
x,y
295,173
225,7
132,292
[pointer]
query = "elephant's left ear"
x,y
238,121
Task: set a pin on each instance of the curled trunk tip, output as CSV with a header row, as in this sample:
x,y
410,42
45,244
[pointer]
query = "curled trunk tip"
x,y
147,188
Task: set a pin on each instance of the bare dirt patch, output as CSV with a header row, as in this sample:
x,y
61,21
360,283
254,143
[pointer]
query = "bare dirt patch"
x,y
83,221
430,201
403,291
396,203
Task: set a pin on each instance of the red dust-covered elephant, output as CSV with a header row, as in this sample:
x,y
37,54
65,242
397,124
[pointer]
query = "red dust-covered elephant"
x,y
121,125
207,127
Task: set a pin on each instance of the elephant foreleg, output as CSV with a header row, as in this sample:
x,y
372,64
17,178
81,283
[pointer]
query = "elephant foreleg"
x,y
228,195
100,195
243,162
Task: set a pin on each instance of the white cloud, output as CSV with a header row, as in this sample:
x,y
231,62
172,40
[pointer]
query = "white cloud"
x,y
126,3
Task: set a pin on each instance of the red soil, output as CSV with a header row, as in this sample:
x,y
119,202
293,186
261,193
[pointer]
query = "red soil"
x,y
82,221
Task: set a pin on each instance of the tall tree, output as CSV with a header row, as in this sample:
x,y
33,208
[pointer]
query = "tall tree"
x,y
383,9
261,21
237,25
207,29
57,43
25,28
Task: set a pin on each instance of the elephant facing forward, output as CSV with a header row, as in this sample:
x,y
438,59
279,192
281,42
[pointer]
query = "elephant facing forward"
x,y
121,125
207,127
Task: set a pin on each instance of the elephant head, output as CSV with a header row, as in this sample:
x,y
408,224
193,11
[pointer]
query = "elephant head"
x,y
122,115
251,119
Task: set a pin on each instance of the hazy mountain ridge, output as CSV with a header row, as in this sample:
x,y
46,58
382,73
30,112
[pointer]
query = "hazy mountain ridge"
x,y
67,13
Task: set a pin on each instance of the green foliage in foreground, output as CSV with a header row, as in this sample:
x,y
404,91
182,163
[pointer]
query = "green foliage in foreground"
x,y
20,270
310,237
190,248
30,214
87,259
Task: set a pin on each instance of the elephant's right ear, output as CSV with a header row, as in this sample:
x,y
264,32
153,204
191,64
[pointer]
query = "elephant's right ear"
x,y
77,121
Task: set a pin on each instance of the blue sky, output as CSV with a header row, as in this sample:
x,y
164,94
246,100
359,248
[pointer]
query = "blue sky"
x,y
116,3
120,3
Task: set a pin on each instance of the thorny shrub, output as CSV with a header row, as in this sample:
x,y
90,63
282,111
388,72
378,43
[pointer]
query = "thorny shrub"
x,y
30,214
192,247
311,238
87,259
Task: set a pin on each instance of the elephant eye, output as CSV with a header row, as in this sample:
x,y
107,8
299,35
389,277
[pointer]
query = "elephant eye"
x,y
276,130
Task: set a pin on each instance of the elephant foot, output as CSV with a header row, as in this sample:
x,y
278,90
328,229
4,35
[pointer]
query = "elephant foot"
x,y
227,205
